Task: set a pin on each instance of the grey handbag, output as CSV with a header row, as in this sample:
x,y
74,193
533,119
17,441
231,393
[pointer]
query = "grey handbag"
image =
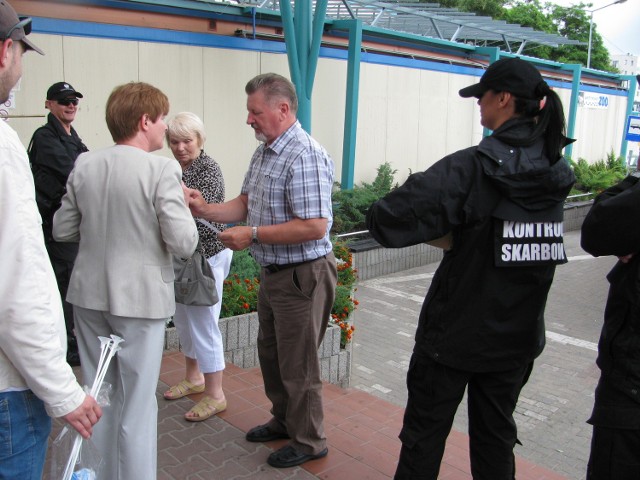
x,y
194,283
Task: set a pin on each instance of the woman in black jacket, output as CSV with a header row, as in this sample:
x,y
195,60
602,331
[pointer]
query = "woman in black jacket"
x,y
499,207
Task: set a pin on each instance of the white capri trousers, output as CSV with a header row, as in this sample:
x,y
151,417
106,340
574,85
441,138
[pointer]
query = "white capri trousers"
x,y
197,327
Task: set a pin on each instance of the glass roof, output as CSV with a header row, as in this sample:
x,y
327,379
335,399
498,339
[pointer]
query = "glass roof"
x,y
429,20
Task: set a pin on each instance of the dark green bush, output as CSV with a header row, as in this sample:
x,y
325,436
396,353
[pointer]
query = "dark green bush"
x,y
600,175
244,265
350,206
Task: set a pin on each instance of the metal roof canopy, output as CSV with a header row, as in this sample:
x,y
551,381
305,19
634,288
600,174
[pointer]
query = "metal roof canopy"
x,y
431,20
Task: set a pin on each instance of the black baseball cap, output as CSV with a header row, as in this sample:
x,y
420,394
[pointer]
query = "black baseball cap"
x,y
512,75
14,27
62,90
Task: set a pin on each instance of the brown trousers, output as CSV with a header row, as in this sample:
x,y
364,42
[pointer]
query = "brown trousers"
x,y
294,306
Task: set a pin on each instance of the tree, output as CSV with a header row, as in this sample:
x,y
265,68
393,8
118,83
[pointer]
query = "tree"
x,y
534,15
488,8
571,22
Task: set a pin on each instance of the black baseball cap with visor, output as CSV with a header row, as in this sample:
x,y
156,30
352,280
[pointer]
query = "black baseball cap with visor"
x,y
512,75
63,93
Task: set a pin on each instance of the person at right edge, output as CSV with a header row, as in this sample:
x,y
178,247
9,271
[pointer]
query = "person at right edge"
x,y
611,228
497,210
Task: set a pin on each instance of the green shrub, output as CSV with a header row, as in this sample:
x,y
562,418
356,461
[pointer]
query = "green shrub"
x,y
598,176
350,206
244,265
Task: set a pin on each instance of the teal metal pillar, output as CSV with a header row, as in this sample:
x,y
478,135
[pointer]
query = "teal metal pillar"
x,y
631,95
303,38
354,27
576,70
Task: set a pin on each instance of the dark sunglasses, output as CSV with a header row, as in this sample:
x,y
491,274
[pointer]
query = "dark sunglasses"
x,y
24,23
68,101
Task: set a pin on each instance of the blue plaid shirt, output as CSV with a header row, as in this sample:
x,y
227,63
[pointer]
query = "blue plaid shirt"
x,y
291,178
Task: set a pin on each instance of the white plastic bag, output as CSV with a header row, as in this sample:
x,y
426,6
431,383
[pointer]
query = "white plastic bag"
x,y
73,457
89,461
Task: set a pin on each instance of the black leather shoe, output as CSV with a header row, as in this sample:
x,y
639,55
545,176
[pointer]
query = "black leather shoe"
x,y
288,456
262,433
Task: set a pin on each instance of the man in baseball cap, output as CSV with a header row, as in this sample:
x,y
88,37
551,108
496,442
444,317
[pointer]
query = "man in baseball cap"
x,y
35,379
14,27
53,150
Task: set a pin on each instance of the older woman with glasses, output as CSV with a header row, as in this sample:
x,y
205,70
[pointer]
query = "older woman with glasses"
x,y
197,326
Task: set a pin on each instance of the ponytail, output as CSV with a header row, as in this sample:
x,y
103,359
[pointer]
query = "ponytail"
x,y
550,122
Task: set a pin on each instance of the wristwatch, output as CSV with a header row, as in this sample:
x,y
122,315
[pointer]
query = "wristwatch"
x,y
254,235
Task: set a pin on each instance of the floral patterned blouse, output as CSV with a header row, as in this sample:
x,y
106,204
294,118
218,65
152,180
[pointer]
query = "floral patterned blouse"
x,y
204,174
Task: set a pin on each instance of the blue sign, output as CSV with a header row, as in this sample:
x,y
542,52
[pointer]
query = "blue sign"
x,y
633,129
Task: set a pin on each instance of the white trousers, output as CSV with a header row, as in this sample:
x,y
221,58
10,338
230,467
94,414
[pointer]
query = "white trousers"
x,y
126,435
197,327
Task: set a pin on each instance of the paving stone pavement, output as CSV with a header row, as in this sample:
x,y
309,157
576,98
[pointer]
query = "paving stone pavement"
x,y
556,402
362,422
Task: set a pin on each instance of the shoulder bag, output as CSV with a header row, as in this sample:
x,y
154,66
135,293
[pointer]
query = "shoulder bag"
x,y
194,283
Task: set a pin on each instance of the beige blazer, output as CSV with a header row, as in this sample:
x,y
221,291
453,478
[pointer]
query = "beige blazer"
x,y
126,208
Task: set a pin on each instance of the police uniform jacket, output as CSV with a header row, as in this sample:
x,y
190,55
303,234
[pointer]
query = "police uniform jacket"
x,y
502,204
52,154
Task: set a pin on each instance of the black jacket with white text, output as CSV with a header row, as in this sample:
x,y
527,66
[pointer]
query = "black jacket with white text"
x,y
503,206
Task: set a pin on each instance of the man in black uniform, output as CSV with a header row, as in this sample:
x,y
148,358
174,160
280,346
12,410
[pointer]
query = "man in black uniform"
x,y
497,208
53,150
612,228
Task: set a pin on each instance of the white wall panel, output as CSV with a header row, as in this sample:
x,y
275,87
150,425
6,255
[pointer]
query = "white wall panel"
x,y
38,73
401,149
178,75
464,128
95,67
433,119
371,143
598,131
275,63
327,111
229,139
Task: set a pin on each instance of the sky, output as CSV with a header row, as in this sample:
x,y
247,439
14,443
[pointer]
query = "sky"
x,y
618,25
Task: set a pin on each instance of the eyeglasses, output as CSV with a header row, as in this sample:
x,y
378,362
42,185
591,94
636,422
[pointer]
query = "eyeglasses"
x,y
24,23
68,101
